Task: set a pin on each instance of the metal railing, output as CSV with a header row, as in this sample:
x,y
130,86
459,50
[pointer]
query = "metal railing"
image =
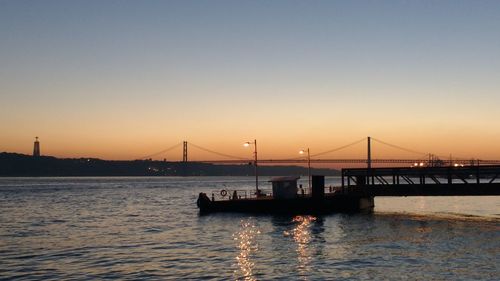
x,y
229,194
421,175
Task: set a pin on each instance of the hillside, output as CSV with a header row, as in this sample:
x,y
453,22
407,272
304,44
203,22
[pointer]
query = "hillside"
x,y
20,165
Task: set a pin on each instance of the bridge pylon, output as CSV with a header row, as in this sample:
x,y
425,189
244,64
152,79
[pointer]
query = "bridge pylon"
x,y
184,151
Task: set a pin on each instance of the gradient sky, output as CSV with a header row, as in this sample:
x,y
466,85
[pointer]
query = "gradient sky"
x,y
124,79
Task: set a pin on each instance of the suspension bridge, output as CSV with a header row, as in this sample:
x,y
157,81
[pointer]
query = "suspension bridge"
x,y
420,159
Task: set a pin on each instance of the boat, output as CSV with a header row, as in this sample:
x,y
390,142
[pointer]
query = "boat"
x,y
286,197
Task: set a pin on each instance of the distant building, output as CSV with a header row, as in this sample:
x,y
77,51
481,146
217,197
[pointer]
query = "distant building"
x,y
36,148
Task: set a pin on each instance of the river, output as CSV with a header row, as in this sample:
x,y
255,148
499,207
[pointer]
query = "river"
x,y
140,228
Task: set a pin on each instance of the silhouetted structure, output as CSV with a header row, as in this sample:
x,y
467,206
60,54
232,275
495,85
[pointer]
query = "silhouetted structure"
x,y
36,148
422,181
359,187
225,159
184,151
284,198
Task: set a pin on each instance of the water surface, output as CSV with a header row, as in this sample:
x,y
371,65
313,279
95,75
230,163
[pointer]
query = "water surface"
x,y
150,229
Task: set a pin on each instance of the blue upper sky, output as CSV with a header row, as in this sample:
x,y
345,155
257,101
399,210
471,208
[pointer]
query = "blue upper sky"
x,y
100,71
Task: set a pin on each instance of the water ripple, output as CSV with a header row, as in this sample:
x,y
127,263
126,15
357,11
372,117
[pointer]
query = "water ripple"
x,y
149,229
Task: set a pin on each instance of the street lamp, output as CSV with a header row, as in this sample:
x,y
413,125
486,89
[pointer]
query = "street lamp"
x,y
247,144
308,164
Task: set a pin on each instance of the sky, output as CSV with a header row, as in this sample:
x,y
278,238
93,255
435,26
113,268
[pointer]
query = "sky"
x,y
125,79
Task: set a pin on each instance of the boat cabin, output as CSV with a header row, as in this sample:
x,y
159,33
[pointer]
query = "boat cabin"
x,y
284,187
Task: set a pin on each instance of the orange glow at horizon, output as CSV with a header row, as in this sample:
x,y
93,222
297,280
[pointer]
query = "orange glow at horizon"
x,y
122,148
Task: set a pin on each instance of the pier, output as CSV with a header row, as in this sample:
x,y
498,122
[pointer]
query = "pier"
x,y
422,181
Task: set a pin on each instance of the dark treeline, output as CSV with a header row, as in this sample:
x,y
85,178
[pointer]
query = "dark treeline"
x,y
19,165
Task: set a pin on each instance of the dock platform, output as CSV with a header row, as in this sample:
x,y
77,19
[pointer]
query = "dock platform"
x,y
422,181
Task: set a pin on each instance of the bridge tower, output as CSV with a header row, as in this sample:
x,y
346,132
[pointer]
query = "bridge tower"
x,y
184,151
36,148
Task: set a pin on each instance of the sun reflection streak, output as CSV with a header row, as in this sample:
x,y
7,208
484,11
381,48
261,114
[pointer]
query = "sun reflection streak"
x,y
301,234
246,241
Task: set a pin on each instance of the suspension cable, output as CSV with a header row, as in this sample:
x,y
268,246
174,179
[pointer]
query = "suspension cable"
x,y
161,152
422,153
399,147
217,153
338,148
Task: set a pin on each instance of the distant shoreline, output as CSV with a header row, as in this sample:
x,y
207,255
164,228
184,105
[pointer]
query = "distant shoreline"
x,y
21,165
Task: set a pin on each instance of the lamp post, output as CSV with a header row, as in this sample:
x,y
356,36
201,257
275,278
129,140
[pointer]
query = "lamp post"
x,y
308,164
246,144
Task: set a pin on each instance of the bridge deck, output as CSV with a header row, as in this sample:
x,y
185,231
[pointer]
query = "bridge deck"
x,y
422,181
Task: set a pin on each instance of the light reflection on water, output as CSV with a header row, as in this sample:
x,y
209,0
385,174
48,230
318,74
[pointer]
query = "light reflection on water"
x,y
301,234
446,206
247,244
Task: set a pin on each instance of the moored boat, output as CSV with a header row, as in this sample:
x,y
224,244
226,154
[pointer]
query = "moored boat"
x,y
285,197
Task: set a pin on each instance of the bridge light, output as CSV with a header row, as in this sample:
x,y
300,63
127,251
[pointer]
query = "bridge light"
x,y
247,144
456,165
416,164
421,164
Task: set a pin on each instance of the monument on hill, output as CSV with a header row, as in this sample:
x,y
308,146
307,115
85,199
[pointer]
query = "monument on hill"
x,y
36,148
